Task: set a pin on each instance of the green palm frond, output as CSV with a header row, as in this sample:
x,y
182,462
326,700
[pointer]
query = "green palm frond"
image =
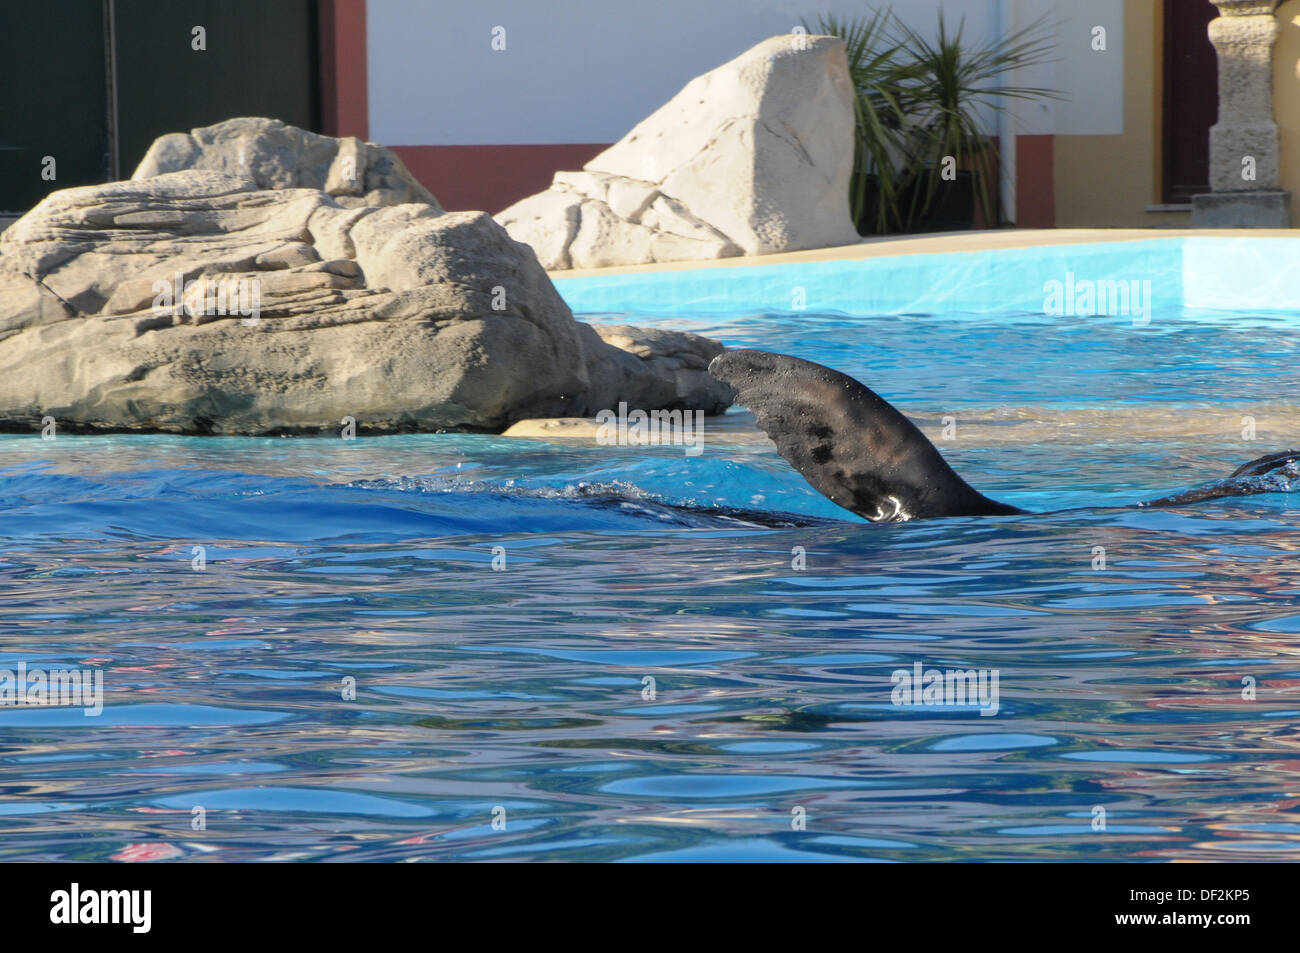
x,y
918,101
882,84
959,82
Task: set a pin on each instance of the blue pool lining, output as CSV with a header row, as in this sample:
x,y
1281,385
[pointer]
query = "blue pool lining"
x,y
1185,273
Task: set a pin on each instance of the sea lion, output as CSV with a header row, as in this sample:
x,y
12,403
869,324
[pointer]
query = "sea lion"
x,y
862,454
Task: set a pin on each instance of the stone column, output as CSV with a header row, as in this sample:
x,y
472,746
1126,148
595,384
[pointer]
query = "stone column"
x,y
1244,167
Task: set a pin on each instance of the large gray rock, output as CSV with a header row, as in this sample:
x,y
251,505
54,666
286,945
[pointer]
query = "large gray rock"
x,y
400,317
279,156
751,158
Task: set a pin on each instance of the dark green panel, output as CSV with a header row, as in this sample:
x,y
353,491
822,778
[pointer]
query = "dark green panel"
x,y
52,98
261,60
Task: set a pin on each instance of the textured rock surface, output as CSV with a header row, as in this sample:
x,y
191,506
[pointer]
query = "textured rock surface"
x,y
751,158
279,156
677,362
401,317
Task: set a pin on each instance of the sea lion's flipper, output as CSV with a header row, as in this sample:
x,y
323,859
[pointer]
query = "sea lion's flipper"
x,y
848,442
1271,473
1283,462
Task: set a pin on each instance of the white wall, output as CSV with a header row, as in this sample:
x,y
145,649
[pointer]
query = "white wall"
x,y
1094,80
578,71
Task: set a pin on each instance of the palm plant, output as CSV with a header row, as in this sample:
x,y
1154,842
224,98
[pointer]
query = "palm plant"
x,y
917,102
882,84
956,84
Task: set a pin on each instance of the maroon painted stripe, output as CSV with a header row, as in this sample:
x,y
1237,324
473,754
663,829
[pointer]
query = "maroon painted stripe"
x,y
1036,186
345,110
490,178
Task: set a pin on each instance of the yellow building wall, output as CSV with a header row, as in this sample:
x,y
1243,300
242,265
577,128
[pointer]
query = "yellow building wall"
x,y
1110,180
1286,100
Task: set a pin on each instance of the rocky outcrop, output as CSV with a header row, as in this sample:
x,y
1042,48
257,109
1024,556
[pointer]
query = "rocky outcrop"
x,y
751,158
279,156
677,363
195,302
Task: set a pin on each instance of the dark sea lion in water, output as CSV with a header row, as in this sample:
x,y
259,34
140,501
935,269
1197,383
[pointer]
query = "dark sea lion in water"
x,y
861,453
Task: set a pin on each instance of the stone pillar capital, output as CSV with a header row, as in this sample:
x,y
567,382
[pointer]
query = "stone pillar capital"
x,y
1246,8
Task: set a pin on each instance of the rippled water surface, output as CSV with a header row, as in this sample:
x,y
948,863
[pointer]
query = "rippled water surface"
x,y
506,714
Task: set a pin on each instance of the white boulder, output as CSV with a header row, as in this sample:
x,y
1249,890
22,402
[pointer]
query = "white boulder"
x,y
752,158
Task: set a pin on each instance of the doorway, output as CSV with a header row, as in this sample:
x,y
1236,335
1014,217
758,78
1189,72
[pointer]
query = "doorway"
x,y
1191,99
91,83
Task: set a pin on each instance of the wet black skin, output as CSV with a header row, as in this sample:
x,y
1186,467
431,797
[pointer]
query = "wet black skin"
x,y
858,451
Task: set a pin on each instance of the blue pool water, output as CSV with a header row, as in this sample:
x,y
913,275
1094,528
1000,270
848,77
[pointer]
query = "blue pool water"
x,y
520,695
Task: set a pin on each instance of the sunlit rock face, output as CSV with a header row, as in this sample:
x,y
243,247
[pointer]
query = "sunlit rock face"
x,y
751,158
197,302
279,156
